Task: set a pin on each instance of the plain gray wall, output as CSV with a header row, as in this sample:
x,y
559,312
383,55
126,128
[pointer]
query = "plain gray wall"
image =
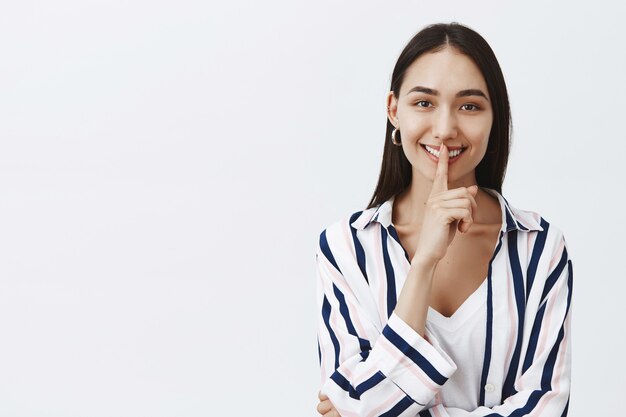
x,y
166,169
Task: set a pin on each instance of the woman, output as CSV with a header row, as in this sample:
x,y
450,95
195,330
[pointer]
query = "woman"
x,y
441,298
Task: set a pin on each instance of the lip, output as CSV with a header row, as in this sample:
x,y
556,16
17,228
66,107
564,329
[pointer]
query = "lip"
x,y
436,160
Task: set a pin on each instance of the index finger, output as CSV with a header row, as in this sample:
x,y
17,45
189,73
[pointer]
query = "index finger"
x,y
440,182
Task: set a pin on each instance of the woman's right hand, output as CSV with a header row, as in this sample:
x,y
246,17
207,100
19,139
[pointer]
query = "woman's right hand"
x,y
446,211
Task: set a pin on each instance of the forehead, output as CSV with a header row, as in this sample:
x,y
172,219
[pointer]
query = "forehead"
x,y
447,70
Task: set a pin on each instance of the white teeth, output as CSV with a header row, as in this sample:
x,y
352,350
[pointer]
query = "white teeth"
x,y
435,152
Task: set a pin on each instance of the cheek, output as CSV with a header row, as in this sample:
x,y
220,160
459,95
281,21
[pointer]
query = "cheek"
x,y
478,133
413,131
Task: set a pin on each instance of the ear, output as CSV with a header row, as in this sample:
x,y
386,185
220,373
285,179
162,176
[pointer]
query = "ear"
x,y
392,109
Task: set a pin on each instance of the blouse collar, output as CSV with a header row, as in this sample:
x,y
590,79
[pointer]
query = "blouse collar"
x,y
512,218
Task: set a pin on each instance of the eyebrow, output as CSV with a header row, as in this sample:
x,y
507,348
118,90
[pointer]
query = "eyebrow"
x,y
462,93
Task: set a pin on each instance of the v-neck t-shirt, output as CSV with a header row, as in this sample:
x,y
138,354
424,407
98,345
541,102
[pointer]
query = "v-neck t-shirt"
x,y
462,337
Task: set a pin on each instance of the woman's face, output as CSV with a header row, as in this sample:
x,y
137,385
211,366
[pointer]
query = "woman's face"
x,y
443,99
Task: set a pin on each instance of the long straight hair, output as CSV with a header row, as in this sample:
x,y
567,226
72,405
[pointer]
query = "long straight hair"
x,y
395,172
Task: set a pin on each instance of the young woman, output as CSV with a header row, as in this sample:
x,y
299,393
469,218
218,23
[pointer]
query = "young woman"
x,y
441,298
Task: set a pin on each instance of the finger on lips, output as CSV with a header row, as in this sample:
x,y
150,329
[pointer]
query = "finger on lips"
x,y
441,175
440,184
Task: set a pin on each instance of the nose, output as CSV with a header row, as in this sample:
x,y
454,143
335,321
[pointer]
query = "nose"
x,y
444,125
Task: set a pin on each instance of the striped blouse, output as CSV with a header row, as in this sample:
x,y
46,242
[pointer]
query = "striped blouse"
x,y
374,364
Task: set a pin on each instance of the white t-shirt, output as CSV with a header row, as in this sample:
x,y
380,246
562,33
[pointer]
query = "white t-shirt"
x,y
462,337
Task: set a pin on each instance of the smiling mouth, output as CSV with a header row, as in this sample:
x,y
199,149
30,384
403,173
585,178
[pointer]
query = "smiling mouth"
x,y
452,153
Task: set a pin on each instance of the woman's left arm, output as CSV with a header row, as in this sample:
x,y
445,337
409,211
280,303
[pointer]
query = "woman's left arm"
x,y
543,387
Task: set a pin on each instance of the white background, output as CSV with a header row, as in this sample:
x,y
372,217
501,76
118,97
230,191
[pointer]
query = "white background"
x,y
166,169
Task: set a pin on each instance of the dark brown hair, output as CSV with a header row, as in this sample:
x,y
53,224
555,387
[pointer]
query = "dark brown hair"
x,y
395,172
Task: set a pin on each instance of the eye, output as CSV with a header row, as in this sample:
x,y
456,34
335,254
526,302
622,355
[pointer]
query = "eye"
x,y
473,107
422,102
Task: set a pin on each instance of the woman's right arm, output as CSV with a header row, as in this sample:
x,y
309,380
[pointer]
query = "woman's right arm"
x,y
366,372
396,371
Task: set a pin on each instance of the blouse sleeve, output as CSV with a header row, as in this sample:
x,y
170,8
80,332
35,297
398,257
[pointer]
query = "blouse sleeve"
x,y
366,371
543,388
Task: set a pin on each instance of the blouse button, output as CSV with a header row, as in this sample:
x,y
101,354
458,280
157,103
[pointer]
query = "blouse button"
x,y
489,388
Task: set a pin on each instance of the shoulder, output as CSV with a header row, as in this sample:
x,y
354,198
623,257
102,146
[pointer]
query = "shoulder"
x,y
336,238
552,230
540,241
533,221
547,243
546,238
